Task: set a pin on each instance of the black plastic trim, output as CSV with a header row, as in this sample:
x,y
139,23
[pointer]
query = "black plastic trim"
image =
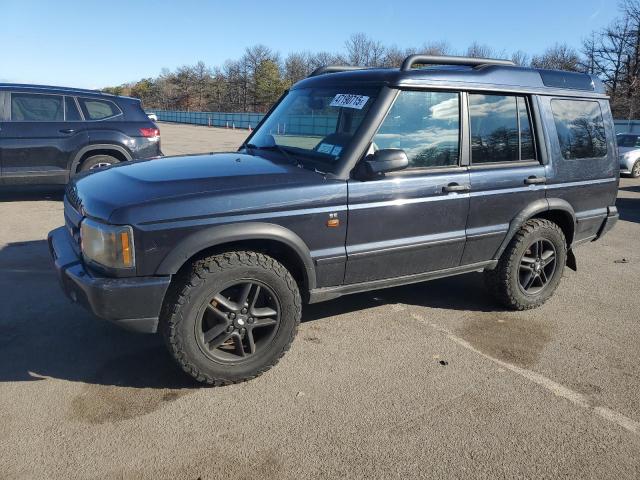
x,y
328,293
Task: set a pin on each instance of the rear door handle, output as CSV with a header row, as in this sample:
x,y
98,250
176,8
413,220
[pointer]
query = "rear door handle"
x,y
67,130
533,180
456,187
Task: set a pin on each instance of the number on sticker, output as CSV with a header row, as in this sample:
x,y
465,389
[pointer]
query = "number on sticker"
x,y
348,100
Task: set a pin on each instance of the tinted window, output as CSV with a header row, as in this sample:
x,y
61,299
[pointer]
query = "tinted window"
x,y
580,128
94,109
30,107
71,110
494,128
628,141
426,125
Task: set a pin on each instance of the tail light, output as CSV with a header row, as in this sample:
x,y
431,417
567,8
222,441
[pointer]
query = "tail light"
x,y
150,132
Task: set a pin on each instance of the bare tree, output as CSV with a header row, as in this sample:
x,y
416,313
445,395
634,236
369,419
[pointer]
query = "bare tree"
x,y
558,57
520,58
477,50
364,52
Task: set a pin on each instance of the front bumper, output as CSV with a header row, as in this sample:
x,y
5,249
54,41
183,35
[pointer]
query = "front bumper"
x,y
133,303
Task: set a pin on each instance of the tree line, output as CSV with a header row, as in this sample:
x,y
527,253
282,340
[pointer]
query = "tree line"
x,y
254,82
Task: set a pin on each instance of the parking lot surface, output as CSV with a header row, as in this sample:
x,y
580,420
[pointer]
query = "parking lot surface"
x,y
432,380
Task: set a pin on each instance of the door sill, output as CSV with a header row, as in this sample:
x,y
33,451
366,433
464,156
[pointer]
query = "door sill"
x,y
328,293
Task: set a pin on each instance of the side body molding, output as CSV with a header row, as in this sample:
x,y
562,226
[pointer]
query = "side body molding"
x,y
218,235
533,209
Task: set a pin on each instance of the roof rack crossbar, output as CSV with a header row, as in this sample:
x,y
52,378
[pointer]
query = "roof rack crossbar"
x,y
412,60
333,69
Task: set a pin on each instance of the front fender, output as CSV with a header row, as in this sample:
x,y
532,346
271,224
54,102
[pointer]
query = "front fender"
x,y
218,235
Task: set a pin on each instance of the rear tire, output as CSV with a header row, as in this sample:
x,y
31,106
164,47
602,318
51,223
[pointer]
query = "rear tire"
x,y
531,266
635,171
231,317
98,161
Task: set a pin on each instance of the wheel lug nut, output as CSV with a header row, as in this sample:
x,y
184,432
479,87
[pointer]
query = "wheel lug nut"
x,y
232,316
251,320
243,330
244,310
230,328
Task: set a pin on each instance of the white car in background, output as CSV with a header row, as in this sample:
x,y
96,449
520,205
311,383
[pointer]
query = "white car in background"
x,y
629,153
152,116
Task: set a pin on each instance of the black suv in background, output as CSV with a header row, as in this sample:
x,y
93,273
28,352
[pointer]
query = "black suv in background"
x,y
356,180
48,134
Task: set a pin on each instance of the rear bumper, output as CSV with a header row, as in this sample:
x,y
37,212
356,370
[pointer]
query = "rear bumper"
x,y
133,303
609,221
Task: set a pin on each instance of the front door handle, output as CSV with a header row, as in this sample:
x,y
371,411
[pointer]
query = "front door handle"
x,y
533,180
67,130
456,187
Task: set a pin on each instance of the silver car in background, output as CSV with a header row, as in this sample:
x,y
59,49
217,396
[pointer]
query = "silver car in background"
x,y
629,154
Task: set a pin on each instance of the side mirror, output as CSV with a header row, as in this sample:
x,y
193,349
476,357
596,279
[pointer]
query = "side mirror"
x,y
386,160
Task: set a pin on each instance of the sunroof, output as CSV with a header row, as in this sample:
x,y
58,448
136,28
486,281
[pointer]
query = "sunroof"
x,y
574,81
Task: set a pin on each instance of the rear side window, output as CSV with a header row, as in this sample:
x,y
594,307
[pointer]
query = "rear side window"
x,y
32,107
72,114
95,109
580,128
426,125
500,129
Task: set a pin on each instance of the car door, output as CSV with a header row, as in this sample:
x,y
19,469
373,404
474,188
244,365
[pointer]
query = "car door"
x,y
505,172
412,221
43,133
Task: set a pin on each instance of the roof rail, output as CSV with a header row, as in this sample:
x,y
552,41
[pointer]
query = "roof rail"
x,y
334,69
412,60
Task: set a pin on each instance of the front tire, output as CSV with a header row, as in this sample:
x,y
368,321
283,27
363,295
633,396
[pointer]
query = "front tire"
x,y
531,267
635,171
231,317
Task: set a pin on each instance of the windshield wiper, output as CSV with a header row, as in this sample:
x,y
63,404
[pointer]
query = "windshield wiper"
x,y
277,148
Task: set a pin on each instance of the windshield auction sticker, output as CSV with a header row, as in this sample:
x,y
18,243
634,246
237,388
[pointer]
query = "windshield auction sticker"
x,y
349,101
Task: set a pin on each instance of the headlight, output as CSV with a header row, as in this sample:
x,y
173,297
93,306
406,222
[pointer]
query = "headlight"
x,y
108,245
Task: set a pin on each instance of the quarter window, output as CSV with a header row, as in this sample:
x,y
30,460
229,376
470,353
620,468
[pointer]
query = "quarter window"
x,y
71,110
580,128
30,107
500,129
95,109
426,125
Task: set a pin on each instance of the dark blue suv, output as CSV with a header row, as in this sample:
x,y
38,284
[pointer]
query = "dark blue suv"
x,y
357,179
48,134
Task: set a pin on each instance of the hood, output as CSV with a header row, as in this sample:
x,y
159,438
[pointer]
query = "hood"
x,y
155,181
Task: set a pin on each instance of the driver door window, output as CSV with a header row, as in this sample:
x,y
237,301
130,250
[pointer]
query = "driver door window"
x,y
426,125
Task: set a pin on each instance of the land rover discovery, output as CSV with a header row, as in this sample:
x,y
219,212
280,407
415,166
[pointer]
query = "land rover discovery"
x,y
357,179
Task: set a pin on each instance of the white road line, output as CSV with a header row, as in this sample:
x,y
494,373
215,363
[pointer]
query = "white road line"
x,y
554,387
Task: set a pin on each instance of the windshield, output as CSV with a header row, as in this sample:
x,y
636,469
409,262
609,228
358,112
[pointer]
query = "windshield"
x,y
628,141
315,124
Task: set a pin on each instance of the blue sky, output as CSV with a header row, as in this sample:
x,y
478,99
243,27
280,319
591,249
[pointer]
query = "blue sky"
x,y
95,43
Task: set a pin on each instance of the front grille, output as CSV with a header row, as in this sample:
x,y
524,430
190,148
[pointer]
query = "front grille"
x,y
72,195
